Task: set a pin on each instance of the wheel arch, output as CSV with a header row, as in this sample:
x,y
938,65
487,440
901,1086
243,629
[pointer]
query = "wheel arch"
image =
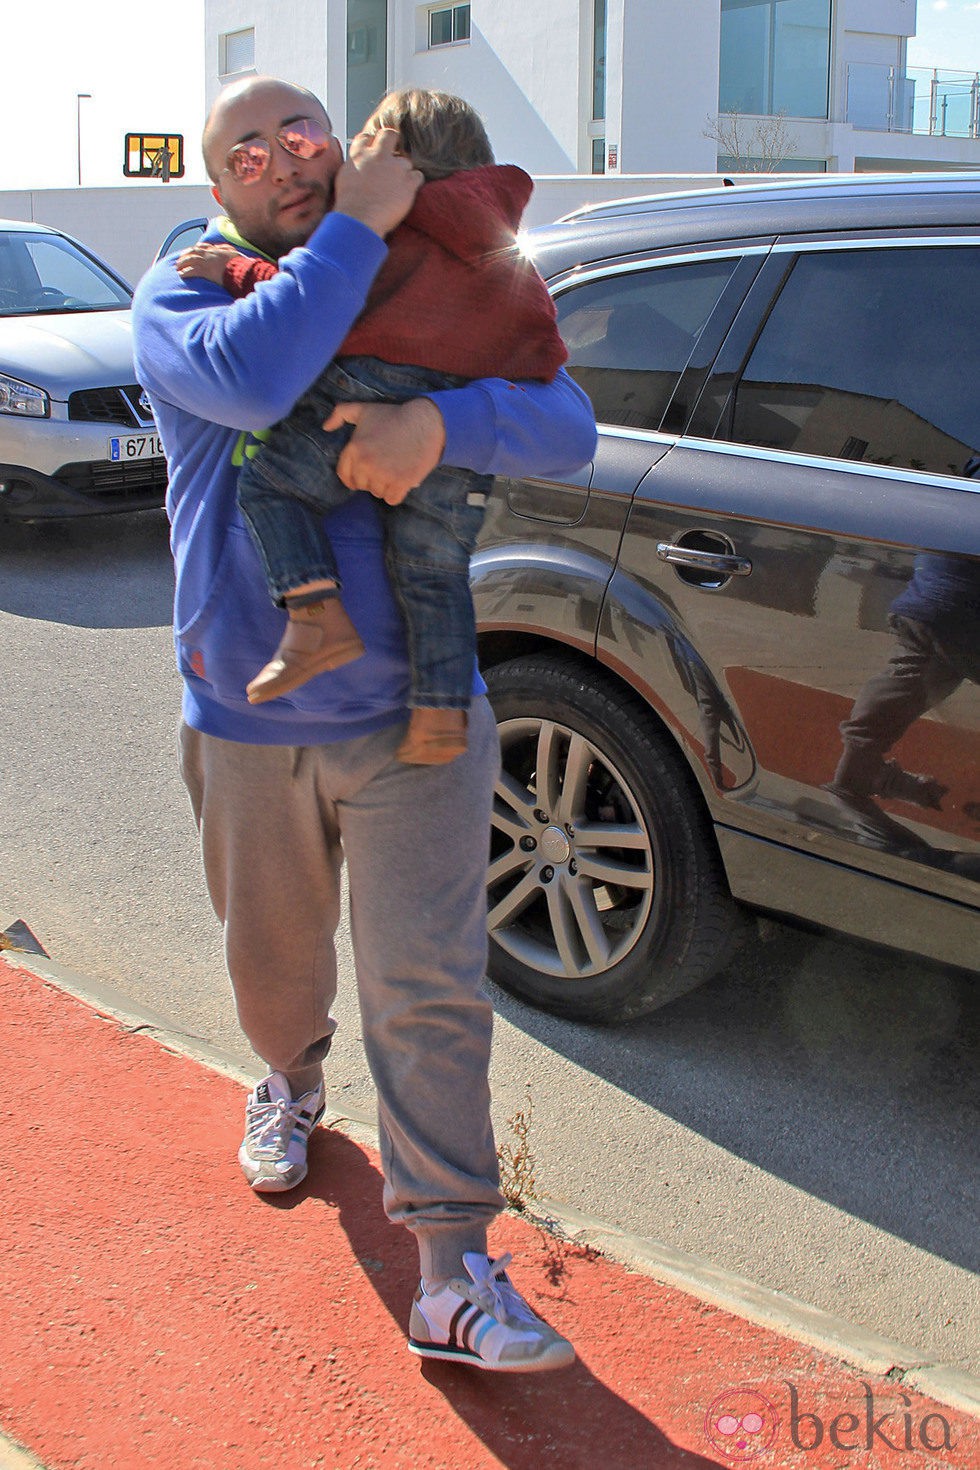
x,y
502,645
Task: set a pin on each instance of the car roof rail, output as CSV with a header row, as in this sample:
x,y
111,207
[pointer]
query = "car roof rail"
x,y
730,189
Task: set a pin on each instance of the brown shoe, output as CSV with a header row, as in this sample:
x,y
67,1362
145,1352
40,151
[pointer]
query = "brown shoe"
x,y
434,737
318,637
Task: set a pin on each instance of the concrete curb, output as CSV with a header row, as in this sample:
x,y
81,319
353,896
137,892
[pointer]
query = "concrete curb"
x,y
14,1457
858,1348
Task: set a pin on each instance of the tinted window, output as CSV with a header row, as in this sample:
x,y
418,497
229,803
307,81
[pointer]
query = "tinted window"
x,y
871,355
629,337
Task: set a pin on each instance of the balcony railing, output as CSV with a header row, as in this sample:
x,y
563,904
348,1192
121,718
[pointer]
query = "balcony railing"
x,y
893,99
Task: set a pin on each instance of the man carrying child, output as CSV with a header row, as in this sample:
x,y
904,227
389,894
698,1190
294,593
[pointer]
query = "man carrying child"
x,y
286,789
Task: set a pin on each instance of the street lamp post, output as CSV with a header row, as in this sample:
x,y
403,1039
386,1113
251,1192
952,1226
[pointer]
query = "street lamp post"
x,y
79,98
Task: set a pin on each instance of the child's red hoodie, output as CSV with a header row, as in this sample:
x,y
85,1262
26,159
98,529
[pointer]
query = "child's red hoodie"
x,y
455,293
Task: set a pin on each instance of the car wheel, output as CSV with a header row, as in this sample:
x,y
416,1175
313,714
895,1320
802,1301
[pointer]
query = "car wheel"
x,y
606,892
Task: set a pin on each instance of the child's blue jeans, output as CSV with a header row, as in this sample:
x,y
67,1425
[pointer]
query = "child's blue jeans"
x,y
429,538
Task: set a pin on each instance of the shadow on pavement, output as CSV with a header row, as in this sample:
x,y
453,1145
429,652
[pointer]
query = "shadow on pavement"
x,y
829,1064
111,571
568,1418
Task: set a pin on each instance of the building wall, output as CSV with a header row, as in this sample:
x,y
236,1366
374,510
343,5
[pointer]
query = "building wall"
x,y
528,70
127,225
886,17
290,39
663,85
521,70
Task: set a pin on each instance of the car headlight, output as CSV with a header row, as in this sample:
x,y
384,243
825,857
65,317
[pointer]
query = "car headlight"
x,y
22,398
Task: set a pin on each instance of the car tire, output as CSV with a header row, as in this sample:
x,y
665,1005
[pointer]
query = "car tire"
x,y
607,896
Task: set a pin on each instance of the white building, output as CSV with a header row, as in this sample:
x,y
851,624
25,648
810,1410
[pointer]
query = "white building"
x,y
627,86
571,89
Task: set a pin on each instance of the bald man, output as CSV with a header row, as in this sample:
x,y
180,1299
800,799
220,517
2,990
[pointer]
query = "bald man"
x,y
284,791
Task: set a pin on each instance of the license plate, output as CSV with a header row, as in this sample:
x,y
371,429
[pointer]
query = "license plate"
x,y
136,446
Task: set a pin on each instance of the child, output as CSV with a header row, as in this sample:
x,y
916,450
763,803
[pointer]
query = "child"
x,y
453,301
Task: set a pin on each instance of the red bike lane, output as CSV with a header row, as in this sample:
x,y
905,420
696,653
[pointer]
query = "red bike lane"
x,y
156,1313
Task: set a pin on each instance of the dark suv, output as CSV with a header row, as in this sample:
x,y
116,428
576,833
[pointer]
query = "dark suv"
x,y
735,660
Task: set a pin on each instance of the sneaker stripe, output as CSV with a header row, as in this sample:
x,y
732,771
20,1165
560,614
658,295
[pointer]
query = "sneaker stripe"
x,y
473,1322
488,1325
457,1318
465,1318
271,1157
305,1124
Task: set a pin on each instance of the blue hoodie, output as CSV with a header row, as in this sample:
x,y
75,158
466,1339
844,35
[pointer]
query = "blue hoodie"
x,y
220,372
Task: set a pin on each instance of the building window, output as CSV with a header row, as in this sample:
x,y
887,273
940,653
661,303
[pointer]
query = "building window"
x,y
597,126
598,61
367,59
775,57
753,164
449,23
236,52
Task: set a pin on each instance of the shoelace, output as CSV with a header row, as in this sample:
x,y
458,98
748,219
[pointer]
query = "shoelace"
x,y
497,1295
268,1123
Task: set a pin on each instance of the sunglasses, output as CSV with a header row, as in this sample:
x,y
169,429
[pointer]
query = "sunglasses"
x,y
304,138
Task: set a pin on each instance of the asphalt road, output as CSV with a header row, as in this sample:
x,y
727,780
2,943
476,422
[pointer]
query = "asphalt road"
x,y
808,1120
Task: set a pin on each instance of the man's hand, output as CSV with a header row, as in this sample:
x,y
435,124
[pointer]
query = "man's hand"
x,y
393,447
377,185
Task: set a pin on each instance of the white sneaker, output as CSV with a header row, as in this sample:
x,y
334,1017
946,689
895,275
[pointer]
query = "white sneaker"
x,y
485,1322
277,1131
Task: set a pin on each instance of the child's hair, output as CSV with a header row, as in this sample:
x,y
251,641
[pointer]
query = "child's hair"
x,y
440,133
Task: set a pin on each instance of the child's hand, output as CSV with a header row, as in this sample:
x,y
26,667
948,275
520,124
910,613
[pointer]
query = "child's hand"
x,y
208,261
377,185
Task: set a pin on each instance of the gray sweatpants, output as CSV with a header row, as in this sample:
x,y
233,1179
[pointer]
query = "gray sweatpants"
x,y
275,824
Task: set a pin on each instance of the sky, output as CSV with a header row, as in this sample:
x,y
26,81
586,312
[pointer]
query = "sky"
x,y
947,35
52,50
52,53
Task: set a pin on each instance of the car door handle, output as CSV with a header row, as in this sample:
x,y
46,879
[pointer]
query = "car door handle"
x,y
722,564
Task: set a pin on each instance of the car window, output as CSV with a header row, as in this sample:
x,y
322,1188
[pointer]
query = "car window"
x,y
40,273
64,270
182,238
870,354
630,336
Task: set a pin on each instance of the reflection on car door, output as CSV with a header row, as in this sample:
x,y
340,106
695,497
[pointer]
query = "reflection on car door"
x,y
832,456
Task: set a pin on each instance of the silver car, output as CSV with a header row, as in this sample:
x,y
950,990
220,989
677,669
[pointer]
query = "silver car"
x,y
77,435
